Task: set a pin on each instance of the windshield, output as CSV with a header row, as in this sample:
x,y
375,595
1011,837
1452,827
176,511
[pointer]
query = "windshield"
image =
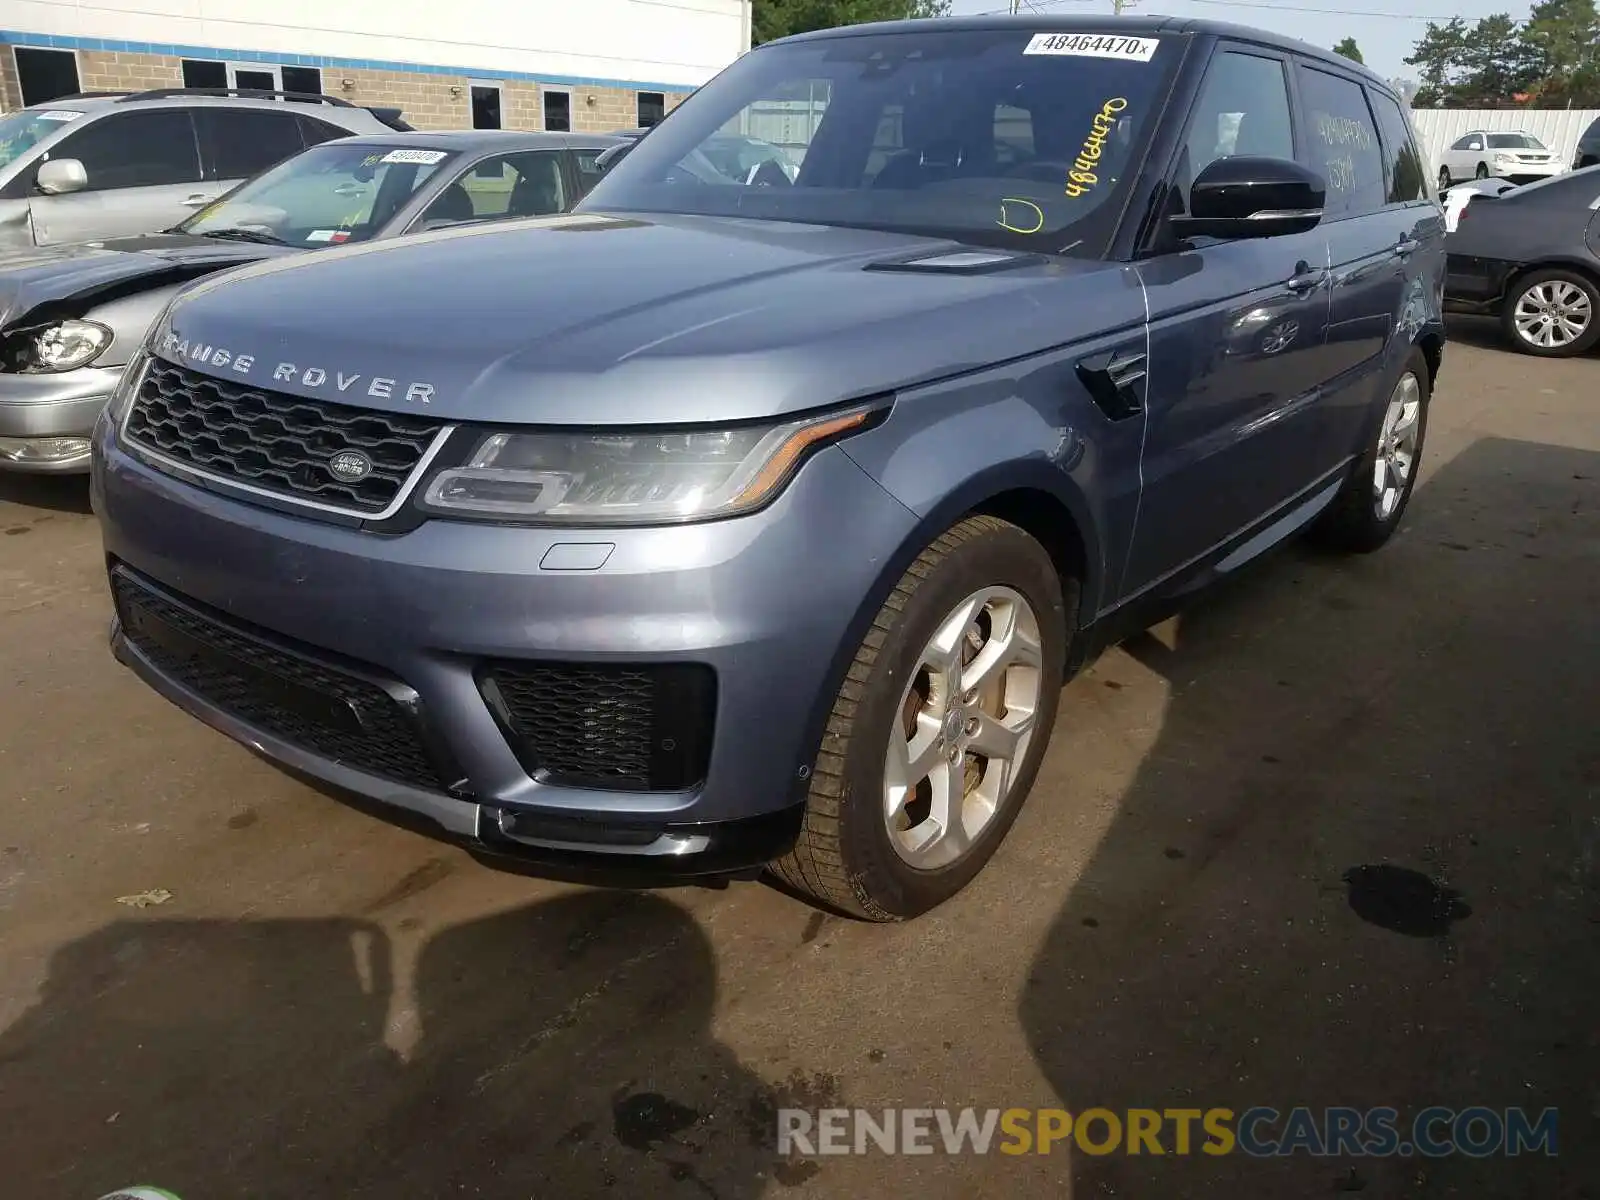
x,y
999,137
327,195
1514,141
22,131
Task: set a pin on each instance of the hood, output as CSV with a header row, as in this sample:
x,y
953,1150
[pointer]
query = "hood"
x,y
600,320
92,271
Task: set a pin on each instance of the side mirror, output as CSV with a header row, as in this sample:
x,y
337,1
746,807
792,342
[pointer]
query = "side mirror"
x,y
612,155
1249,197
60,176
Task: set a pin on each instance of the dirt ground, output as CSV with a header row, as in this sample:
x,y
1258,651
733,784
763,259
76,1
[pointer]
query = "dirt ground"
x,y
332,1006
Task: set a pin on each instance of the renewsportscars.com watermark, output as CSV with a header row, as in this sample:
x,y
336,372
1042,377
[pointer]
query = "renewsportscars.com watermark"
x,y
1261,1132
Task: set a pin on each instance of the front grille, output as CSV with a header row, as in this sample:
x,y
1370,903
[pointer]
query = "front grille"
x,y
309,703
271,440
625,728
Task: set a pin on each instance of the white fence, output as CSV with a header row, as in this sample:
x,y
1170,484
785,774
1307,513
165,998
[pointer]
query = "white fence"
x,y
1558,128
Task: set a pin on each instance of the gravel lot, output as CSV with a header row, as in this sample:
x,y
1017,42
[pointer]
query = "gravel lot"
x,y
333,1006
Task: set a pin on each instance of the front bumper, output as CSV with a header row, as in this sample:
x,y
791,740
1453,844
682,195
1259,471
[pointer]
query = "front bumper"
x,y
767,602
1521,173
45,420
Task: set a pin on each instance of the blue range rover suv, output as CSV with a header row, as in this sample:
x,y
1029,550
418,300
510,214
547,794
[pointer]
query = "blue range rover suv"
x,y
744,523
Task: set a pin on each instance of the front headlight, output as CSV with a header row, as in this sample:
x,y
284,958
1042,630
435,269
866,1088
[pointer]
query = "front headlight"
x,y
68,345
640,477
1502,157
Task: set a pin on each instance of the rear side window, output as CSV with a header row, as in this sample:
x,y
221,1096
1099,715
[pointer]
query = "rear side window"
x,y
588,168
314,132
1406,181
238,142
142,149
1343,143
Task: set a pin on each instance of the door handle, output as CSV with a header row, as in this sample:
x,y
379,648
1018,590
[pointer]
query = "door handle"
x,y
1307,280
197,201
1406,246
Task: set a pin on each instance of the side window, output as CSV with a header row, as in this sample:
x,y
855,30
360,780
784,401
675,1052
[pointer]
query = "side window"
x,y
589,171
1406,181
238,142
1343,143
314,132
1243,109
1474,142
144,149
1461,143
508,185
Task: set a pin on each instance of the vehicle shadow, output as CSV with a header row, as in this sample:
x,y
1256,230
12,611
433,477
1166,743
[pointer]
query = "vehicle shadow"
x,y
58,493
562,1048
1361,864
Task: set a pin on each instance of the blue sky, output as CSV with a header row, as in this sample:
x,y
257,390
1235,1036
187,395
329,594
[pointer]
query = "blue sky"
x,y
1386,30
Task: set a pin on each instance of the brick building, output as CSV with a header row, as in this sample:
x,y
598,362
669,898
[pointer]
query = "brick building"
x,y
587,65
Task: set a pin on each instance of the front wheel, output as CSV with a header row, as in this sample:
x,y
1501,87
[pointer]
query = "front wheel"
x,y
1444,178
936,735
1551,313
1482,171
1368,508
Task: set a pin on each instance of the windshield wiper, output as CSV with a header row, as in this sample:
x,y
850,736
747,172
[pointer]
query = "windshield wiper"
x,y
245,235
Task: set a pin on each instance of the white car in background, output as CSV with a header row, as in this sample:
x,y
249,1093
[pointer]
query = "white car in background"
x,y
1498,154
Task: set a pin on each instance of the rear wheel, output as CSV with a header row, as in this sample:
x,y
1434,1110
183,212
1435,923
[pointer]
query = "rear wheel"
x,y
1552,313
937,732
1368,508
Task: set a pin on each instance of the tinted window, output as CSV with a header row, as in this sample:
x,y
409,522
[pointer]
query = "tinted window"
x,y
507,185
1462,143
239,142
201,73
144,149
46,74
485,107
303,79
652,107
1343,143
1243,109
1406,181
558,111
588,169
987,135
314,132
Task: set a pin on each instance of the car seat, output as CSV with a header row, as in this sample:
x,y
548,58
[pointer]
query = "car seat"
x,y
537,193
452,204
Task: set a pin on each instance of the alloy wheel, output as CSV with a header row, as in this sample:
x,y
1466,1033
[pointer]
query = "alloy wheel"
x,y
966,719
1397,446
1552,314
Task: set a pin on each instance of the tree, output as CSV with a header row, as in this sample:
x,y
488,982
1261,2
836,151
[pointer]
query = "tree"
x,y
1562,37
1483,65
1349,49
779,18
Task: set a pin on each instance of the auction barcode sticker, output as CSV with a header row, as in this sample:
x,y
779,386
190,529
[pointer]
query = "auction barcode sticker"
x,y
1094,45
426,157
60,114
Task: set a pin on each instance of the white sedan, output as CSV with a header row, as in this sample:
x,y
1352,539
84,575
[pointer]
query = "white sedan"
x,y
1484,154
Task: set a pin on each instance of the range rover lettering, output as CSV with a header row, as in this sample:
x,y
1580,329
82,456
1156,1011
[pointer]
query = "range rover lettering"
x,y
754,522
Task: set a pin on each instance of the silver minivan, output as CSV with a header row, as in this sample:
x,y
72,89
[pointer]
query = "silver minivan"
x,y
102,165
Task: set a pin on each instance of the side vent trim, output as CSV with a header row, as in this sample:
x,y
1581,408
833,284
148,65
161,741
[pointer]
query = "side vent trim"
x,y
1116,381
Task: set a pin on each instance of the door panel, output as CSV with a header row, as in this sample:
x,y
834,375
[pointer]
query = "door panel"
x,y
142,167
1234,384
1237,333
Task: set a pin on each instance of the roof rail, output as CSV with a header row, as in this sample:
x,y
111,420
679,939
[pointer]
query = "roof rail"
x,y
246,93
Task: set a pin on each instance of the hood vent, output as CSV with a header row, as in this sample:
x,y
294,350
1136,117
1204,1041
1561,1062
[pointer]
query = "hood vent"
x,y
958,262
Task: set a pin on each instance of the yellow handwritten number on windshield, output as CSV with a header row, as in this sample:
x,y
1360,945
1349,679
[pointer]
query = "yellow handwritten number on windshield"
x,y
1037,217
1082,176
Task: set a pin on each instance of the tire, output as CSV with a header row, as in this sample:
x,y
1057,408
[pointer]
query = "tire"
x,y
1482,171
848,856
1361,518
1444,178
1546,303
